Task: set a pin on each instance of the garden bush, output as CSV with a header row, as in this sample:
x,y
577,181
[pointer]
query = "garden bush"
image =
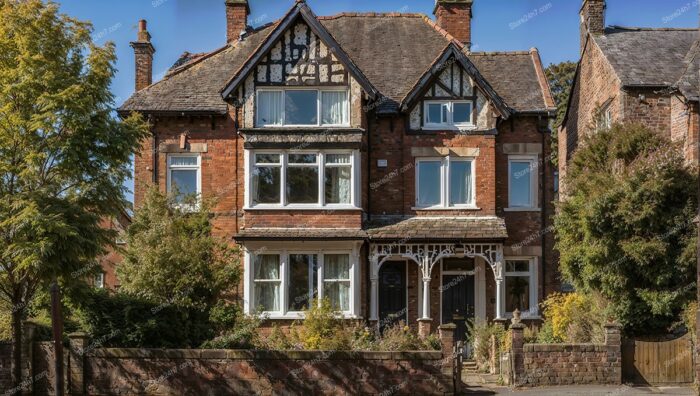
x,y
480,334
574,318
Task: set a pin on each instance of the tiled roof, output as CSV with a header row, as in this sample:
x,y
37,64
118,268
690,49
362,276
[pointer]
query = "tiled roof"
x,y
689,83
647,57
300,138
392,50
301,233
440,228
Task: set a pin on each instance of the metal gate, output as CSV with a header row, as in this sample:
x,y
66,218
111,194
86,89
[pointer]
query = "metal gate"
x,y
657,363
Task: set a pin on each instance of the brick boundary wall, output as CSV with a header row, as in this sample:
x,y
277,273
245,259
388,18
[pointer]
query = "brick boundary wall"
x,y
566,364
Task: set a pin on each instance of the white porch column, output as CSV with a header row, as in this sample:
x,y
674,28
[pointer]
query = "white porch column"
x,y
374,291
500,293
426,287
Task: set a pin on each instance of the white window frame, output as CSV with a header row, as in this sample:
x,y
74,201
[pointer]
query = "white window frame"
x,y
533,274
604,120
319,110
445,183
450,115
534,183
250,306
288,279
320,163
197,168
99,281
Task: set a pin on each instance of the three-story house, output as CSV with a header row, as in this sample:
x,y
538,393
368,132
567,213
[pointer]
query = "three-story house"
x,y
372,160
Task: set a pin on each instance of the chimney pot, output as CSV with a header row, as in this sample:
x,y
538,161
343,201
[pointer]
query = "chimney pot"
x,y
143,53
455,17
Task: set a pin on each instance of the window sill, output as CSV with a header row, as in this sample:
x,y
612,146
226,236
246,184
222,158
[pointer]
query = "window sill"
x,y
303,207
442,208
451,128
522,209
298,316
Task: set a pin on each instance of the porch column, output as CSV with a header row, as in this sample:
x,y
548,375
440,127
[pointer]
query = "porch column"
x,y
374,288
426,287
499,290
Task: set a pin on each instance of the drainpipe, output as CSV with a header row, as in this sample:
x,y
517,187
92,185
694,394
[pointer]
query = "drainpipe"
x,y
154,142
543,232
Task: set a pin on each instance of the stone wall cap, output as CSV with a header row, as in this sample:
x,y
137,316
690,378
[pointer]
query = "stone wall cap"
x,y
447,326
79,334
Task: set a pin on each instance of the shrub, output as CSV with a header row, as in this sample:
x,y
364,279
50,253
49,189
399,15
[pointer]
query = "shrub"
x,y
574,318
480,334
689,320
243,335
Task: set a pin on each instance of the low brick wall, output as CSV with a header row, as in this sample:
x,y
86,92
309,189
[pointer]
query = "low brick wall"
x,y
566,364
5,366
205,372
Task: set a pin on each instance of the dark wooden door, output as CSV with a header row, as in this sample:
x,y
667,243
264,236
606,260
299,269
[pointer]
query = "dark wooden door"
x,y
392,293
458,302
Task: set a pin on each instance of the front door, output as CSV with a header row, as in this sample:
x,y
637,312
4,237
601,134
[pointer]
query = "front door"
x,y
392,293
458,301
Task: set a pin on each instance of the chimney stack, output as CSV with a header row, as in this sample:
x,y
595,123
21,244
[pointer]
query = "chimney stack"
x,y
143,51
455,16
592,19
237,12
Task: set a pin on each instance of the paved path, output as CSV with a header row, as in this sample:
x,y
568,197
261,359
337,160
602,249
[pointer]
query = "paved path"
x,y
584,390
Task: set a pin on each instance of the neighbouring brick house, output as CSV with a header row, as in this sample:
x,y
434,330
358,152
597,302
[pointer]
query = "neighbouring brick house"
x,y
630,74
107,278
371,159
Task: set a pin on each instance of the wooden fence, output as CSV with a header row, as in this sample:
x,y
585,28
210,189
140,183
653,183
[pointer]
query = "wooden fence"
x,y
657,363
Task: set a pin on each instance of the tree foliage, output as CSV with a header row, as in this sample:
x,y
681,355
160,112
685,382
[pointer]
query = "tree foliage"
x,y
561,78
64,157
172,256
626,230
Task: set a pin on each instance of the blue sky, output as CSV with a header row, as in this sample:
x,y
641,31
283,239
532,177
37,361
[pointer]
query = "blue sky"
x,y
499,25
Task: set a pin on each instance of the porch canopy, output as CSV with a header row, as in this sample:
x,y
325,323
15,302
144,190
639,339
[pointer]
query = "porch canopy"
x,y
427,240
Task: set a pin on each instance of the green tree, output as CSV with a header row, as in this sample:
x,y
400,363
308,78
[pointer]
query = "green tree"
x,y
626,230
173,258
64,157
561,78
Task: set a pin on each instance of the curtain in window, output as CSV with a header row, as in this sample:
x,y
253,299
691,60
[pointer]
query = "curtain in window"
x,y
336,276
460,183
269,108
267,287
338,179
334,108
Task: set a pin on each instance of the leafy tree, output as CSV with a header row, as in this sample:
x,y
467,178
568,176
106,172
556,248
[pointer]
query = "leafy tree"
x,y
173,258
626,230
63,155
561,78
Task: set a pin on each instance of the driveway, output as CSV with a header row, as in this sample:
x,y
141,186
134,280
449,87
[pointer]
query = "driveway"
x,y
583,390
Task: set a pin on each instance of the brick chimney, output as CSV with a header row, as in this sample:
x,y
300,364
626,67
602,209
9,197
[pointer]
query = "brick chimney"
x,y
592,19
455,16
143,51
237,12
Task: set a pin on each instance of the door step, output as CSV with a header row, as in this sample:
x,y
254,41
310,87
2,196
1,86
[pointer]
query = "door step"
x,y
472,376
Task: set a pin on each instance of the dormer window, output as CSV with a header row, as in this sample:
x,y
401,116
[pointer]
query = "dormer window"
x,y
448,114
302,107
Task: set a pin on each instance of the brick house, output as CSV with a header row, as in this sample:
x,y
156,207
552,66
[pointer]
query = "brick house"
x,y
631,74
107,277
370,159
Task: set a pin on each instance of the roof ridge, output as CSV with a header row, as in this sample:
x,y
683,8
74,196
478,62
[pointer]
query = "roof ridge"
x,y
373,14
650,29
487,53
443,32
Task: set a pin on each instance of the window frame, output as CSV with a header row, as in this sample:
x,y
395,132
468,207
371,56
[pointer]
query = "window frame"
x,y
99,281
279,280
534,183
250,305
321,203
197,168
533,286
445,188
450,124
319,110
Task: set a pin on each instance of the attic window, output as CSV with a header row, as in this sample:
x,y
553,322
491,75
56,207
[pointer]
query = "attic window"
x,y
448,114
302,107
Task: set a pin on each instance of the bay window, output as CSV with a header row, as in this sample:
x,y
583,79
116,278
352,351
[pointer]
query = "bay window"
x,y
445,182
302,180
284,284
302,107
448,114
184,176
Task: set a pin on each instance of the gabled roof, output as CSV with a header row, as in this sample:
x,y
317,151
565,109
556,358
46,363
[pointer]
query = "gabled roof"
x,y
299,10
645,56
392,51
689,83
433,73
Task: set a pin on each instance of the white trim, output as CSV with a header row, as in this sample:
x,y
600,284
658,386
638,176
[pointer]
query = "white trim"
x,y
197,168
355,173
445,169
533,173
533,274
449,124
319,110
